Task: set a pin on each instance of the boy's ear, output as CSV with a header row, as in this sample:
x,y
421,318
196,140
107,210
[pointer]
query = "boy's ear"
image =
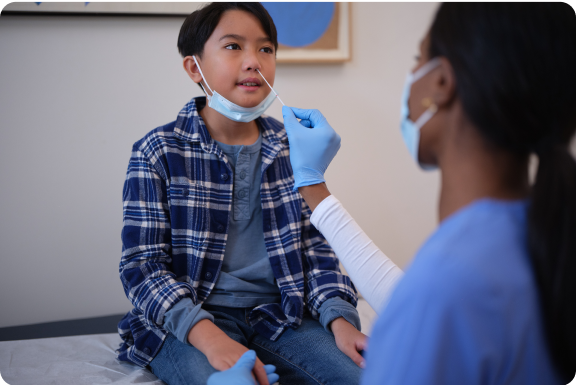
x,y
192,69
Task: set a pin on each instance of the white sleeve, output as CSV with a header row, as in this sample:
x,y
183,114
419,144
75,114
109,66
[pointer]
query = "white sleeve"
x,y
372,272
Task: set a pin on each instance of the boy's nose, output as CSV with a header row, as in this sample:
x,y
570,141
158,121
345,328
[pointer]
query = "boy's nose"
x,y
251,63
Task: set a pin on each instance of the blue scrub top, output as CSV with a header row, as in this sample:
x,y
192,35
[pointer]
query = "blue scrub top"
x,y
467,310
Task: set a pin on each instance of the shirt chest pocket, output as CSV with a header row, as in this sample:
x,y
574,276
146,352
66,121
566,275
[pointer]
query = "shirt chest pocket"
x,y
189,215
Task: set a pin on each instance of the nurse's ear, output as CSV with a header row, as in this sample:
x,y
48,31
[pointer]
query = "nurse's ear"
x,y
440,93
192,69
444,84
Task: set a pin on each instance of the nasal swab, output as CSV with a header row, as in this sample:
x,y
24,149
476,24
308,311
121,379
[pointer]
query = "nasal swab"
x,y
270,87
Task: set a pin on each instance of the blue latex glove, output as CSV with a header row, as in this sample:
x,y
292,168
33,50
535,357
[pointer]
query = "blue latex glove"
x,y
313,145
241,372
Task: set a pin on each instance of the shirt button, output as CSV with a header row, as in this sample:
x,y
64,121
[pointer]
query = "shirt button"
x,y
243,175
208,275
220,228
242,194
268,226
186,193
146,351
224,176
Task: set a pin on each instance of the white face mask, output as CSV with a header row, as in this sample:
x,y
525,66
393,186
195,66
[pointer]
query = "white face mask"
x,y
411,130
231,110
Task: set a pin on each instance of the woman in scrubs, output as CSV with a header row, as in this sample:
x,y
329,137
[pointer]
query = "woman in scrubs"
x,y
490,298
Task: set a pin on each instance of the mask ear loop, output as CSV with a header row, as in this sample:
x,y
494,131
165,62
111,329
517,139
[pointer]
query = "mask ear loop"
x,y
270,87
432,107
420,72
426,116
203,78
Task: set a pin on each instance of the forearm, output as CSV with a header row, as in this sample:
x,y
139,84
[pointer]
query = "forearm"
x,y
373,273
183,316
339,324
324,279
206,334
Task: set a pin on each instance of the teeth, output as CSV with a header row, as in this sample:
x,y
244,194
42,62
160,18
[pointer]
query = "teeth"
x,y
249,84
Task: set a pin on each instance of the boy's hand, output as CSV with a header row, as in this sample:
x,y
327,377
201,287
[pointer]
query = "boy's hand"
x,y
222,351
349,340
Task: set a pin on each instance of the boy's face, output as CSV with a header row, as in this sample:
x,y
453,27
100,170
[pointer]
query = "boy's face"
x,y
237,47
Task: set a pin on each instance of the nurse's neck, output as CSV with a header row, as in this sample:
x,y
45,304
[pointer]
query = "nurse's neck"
x,y
228,131
473,169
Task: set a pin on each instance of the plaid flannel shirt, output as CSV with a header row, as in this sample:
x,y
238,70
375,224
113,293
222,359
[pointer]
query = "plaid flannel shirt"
x,y
177,201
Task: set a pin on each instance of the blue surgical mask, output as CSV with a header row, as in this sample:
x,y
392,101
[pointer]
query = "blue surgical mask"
x,y
411,130
231,110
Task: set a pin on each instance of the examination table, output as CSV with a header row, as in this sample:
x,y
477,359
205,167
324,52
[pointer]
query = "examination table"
x,y
81,352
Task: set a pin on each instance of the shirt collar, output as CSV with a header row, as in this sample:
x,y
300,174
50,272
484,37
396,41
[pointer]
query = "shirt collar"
x,y
190,126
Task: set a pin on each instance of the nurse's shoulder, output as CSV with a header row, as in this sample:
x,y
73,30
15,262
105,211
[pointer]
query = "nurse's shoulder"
x,y
467,309
481,246
478,260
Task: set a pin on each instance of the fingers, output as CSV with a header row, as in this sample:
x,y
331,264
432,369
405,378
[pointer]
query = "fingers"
x,y
272,377
306,123
361,346
260,373
362,343
356,357
269,369
313,116
288,115
247,360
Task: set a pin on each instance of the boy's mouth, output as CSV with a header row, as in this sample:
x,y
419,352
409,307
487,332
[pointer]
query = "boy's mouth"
x,y
249,84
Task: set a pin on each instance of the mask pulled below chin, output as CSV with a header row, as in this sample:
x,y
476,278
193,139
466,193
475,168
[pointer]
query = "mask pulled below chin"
x,y
231,110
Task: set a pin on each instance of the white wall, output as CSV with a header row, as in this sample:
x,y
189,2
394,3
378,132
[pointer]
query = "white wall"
x,y
77,92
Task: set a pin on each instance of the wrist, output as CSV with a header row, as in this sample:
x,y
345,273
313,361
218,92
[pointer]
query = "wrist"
x,y
314,194
338,324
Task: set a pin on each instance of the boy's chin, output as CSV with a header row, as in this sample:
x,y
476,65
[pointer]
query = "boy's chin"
x,y
248,102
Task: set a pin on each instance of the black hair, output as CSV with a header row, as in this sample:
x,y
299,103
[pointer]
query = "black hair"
x,y
515,69
199,25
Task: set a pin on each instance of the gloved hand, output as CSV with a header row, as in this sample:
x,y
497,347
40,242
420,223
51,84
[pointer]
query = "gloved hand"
x,y
313,145
241,372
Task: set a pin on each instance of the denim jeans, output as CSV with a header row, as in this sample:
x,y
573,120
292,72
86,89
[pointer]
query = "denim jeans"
x,y
306,355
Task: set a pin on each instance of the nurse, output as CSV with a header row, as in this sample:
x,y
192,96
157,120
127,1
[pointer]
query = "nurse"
x,y
490,298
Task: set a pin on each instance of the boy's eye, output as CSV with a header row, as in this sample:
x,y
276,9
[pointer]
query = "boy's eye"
x,y
267,50
232,46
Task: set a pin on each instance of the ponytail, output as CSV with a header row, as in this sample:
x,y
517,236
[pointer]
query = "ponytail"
x,y
552,245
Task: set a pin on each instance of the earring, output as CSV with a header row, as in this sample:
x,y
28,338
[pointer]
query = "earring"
x,y
429,103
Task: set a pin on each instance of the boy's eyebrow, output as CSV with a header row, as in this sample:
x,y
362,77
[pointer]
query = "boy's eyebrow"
x,y
242,38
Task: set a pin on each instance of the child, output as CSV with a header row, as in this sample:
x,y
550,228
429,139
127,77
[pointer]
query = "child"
x,y
219,255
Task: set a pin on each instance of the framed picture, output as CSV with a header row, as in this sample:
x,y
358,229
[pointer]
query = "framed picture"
x,y
308,32
108,8
312,32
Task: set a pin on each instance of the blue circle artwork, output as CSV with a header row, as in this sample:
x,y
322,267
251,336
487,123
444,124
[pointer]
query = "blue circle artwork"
x,y
300,24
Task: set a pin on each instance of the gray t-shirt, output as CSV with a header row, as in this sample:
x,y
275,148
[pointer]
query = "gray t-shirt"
x,y
246,277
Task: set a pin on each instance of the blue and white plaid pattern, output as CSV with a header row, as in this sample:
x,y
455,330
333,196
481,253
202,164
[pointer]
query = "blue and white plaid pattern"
x,y
177,201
